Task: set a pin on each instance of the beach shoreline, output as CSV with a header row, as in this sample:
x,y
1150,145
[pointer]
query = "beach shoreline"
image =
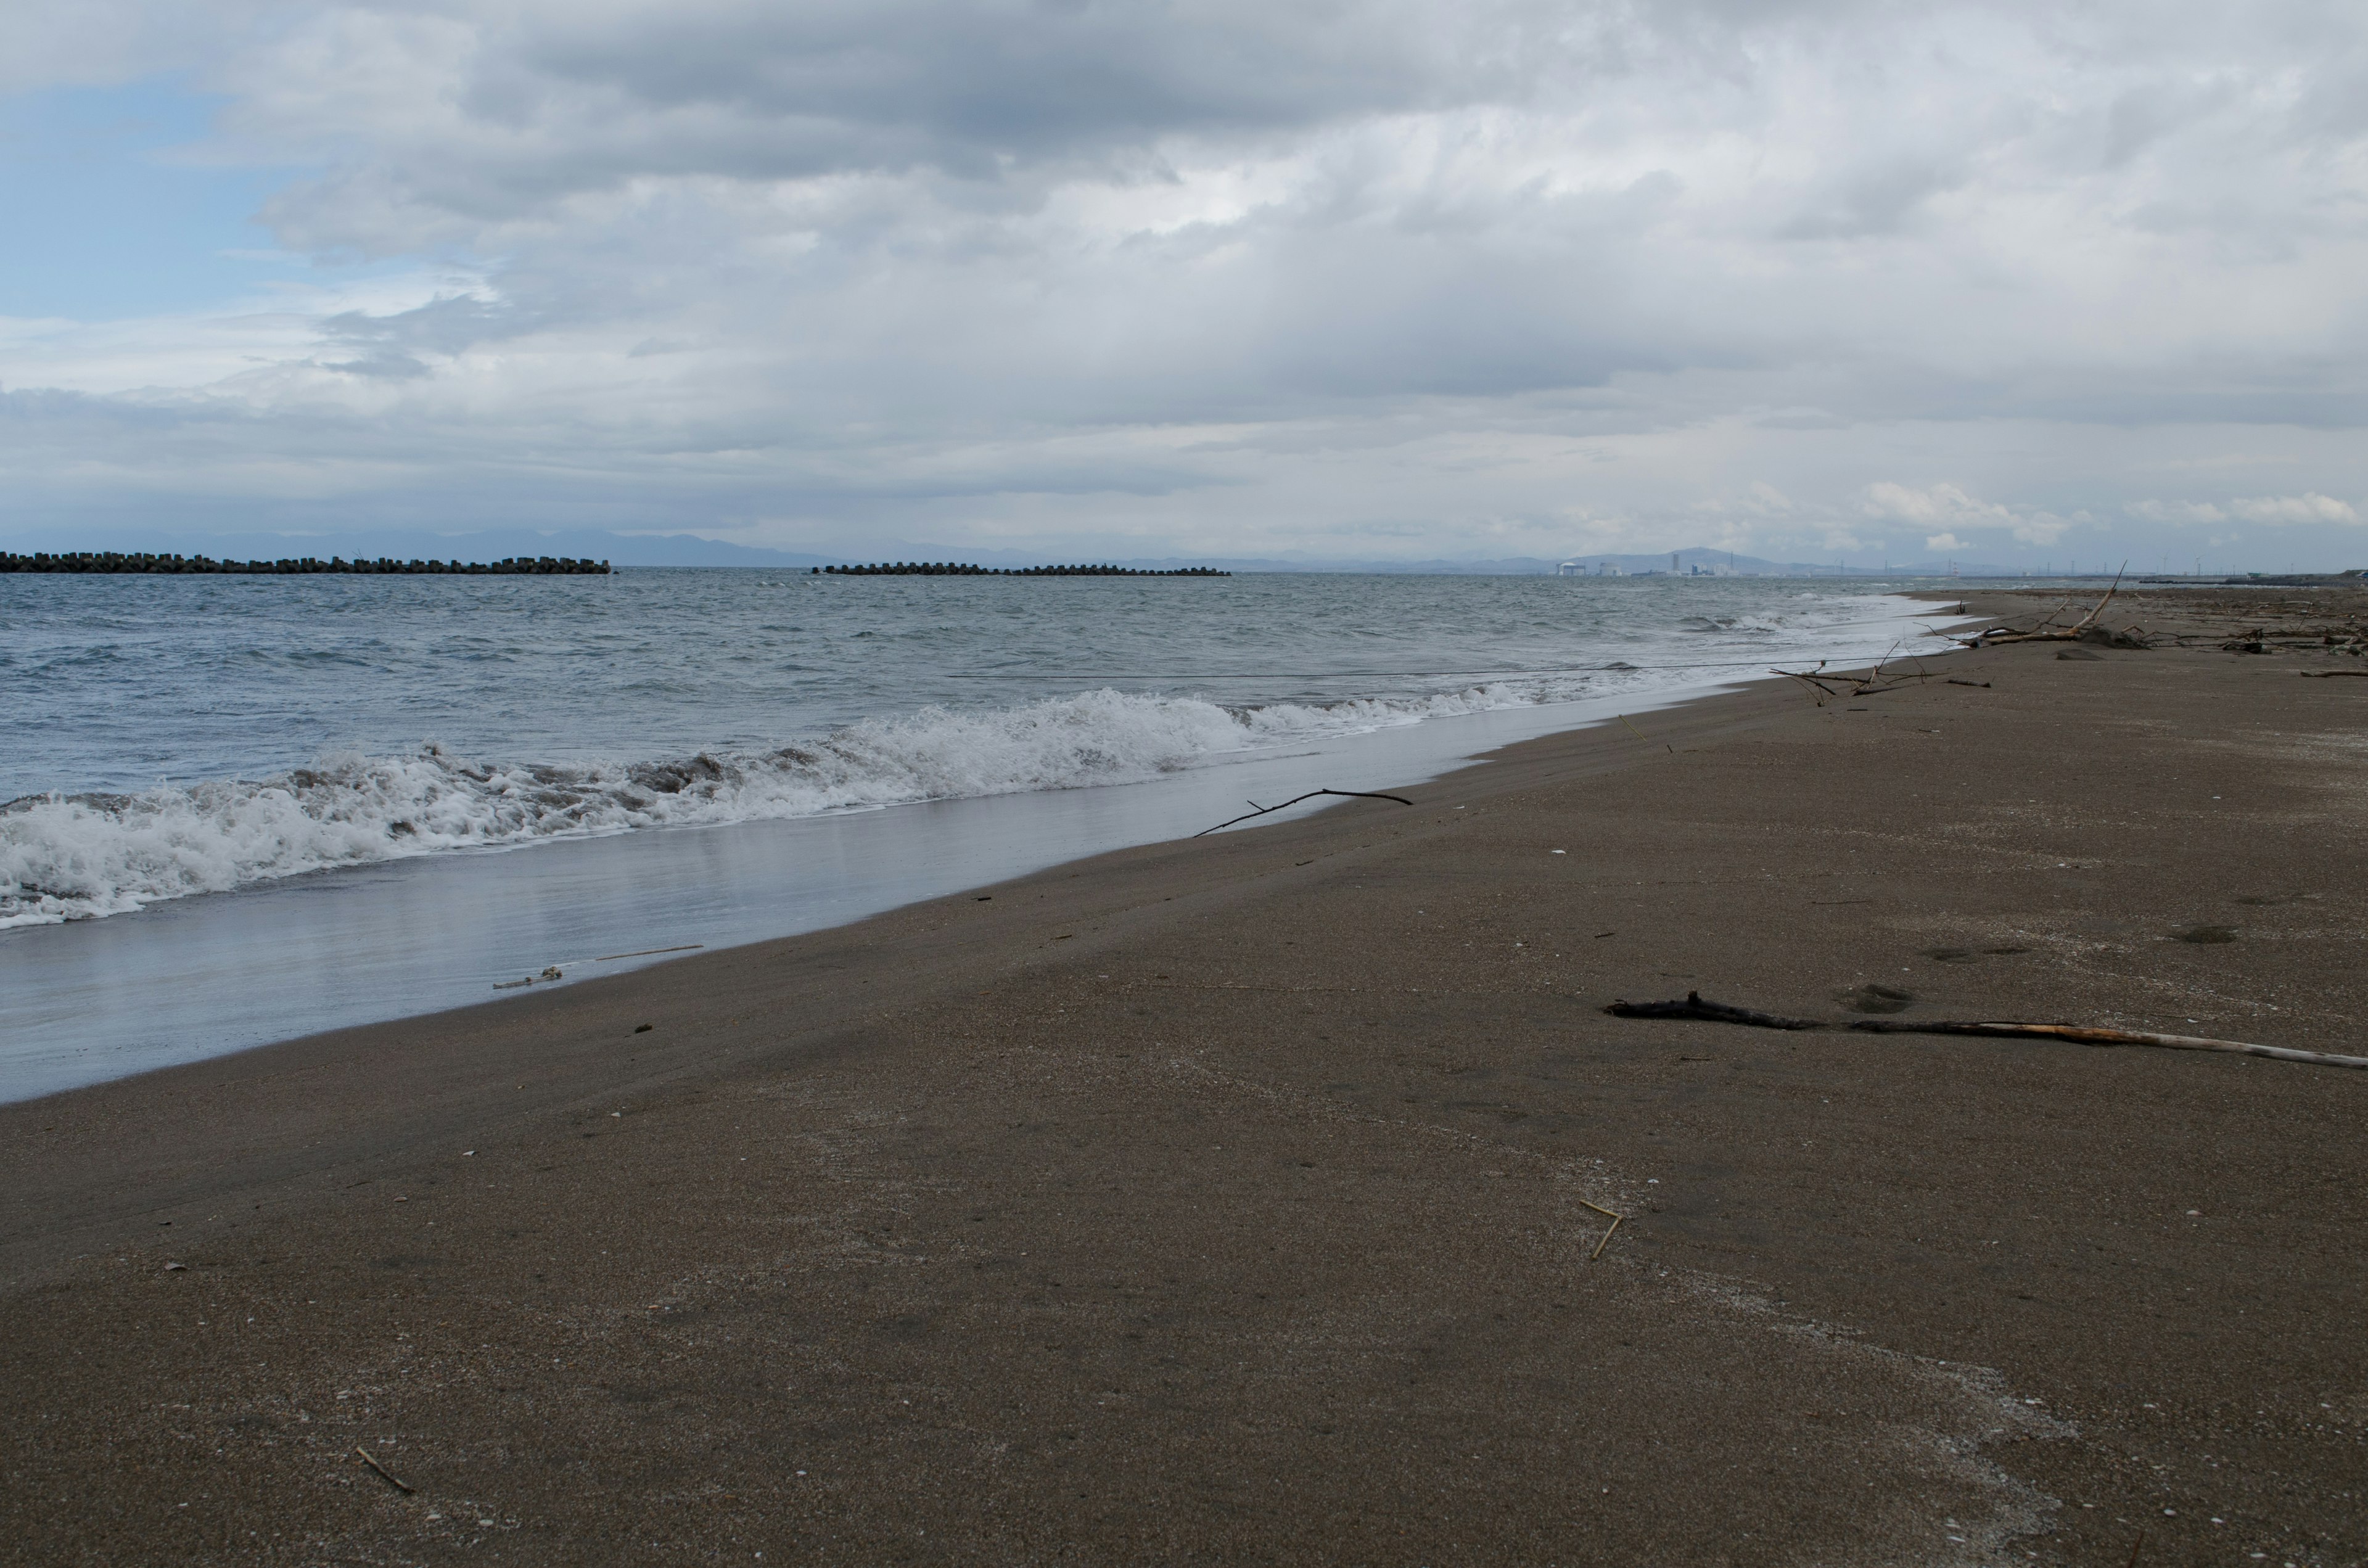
x,y
1232,1196
358,942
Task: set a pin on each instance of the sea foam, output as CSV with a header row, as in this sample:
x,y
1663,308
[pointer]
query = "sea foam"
x,y
81,856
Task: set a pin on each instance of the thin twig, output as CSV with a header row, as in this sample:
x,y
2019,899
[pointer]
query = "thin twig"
x,y
645,952
1607,1238
383,1471
1263,811
1641,735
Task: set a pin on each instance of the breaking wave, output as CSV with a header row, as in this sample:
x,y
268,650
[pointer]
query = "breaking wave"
x,y
80,857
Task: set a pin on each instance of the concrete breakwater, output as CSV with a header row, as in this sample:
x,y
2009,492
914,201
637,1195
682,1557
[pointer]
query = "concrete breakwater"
x,y
111,562
958,569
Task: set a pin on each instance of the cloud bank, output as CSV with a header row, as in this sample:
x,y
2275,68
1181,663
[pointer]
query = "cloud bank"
x,y
1371,277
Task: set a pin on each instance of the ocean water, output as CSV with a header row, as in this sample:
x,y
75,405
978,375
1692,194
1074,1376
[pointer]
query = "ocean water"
x,y
422,785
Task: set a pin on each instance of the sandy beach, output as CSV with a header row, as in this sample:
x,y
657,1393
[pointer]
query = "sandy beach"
x,y
1243,1198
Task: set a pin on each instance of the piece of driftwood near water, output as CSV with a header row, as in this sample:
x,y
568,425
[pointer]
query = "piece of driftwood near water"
x,y
1693,1006
1823,683
2085,629
1263,811
2087,1035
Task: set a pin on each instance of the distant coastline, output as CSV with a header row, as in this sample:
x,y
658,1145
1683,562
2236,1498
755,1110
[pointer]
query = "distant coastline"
x,y
962,569
113,563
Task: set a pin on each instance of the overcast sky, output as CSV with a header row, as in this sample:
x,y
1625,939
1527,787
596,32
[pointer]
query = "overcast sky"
x,y
1362,279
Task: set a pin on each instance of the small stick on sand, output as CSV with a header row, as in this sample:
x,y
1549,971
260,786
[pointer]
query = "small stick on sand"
x,y
1614,1216
2329,674
1606,1241
384,1473
645,952
1643,736
1354,794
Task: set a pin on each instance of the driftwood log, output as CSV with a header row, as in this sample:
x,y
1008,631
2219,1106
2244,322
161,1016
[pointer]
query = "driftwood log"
x,y
2087,1035
1693,1006
2085,629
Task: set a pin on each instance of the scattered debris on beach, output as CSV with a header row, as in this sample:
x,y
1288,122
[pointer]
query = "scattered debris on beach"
x,y
2295,623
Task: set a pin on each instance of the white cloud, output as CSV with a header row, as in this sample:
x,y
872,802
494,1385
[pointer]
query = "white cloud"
x,y
1933,503
2046,528
1412,275
2311,508
2175,511
1944,541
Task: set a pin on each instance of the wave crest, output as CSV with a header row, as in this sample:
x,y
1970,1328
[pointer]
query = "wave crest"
x,y
74,858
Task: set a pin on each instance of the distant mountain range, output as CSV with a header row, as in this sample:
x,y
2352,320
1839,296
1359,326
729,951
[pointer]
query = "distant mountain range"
x,y
689,550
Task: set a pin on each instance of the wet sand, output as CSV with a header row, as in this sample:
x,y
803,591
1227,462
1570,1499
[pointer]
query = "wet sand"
x,y
1228,1200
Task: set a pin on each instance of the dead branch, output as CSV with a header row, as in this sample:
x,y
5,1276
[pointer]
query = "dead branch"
x,y
2076,633
2084,1035
2329,675
1693,1006
1263,811
2106,600
1822,682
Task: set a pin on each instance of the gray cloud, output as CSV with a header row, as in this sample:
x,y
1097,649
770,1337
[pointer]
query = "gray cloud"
x,y
1439,277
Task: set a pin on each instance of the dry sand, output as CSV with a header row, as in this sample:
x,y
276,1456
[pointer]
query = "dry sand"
x,y
1227,1200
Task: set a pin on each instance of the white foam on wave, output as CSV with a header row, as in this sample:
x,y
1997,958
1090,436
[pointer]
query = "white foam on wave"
x,y
76,858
